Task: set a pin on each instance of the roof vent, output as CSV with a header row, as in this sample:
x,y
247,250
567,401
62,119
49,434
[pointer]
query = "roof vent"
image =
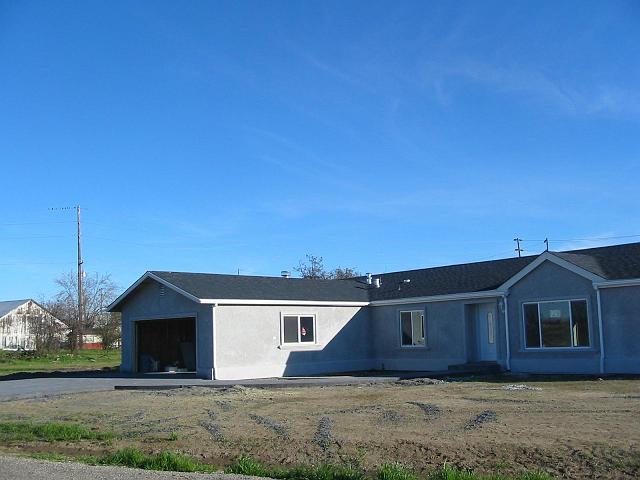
x,y
285,274
377,282
162,290
369,279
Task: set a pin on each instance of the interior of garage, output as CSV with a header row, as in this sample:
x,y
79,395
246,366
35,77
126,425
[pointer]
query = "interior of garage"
x,y
167,345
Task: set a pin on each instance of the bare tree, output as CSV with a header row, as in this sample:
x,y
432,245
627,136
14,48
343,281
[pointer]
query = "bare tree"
x,y
340,273
313,267
99,292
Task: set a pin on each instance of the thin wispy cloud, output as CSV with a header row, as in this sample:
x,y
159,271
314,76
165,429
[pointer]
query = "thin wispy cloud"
x,y
531,84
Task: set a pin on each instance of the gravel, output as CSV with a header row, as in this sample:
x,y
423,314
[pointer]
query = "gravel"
x,y
479,420
392,416
279,429
323,436
430,410
520,386
214,429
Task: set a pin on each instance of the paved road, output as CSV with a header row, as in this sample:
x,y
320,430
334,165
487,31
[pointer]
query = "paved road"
x,y
18,468
62,383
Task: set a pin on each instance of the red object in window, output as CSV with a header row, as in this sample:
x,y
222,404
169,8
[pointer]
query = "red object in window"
x,y
303,331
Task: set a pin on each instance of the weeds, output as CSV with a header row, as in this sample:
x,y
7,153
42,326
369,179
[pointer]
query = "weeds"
x,y
448,472
48,432
164,461
395,471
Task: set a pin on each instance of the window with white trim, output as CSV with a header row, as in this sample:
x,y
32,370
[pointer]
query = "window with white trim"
x,y
298,329
412,328
557,324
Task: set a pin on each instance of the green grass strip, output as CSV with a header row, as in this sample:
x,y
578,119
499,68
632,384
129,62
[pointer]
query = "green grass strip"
x,y
164,461
48,432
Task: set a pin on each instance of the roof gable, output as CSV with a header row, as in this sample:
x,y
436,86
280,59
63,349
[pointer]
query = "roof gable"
x,y
10,305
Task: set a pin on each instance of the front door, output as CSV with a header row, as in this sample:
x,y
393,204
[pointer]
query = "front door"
x,y
486,330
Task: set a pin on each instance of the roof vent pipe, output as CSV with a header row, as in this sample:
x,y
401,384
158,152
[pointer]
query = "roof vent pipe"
x,y
285,274
377,282
369,279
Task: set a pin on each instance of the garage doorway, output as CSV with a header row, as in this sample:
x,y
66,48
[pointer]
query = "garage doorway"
x,y
166,345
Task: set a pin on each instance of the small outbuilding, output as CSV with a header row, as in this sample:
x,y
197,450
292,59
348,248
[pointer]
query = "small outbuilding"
x,y
557,312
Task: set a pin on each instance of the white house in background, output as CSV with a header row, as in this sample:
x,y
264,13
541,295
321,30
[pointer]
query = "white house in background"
x,y
17,321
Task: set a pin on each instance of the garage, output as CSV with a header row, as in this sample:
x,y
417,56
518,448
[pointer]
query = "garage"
x,y
166,345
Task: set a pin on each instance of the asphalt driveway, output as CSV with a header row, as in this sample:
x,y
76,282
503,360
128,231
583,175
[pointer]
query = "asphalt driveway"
x,y
21,386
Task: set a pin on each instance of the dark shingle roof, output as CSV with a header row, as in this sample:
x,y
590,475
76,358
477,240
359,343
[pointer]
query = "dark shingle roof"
x,y
464,278
615,262
216,286
618,262
7,306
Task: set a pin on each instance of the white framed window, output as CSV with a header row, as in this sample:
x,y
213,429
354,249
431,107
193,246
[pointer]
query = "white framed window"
x,y
412,328
556,324
298,329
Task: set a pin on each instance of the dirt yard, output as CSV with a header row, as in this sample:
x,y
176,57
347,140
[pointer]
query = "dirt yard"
x,y
573,429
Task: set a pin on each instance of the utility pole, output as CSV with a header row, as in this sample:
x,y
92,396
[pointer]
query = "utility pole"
x,y
79,340
518,249
80,290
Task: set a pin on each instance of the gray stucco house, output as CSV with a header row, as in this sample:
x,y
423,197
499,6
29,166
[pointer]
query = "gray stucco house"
x,y
557,312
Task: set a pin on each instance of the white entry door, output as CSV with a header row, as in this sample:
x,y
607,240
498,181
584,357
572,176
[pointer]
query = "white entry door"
x,y
486,332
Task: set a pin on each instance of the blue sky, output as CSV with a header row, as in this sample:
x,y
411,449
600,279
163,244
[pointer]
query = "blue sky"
x,y
216,136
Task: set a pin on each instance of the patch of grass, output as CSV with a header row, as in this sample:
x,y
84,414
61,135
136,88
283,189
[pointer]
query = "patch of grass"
x,y
48,432
51,457
22,362
395,471
450,473
249,466
174,436
164,461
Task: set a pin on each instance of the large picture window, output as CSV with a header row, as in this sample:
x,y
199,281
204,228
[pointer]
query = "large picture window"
x,y
412,328
298,329
556,324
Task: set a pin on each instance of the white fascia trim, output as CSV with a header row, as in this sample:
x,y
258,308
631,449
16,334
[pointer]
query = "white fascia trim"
x,y
232,301
439,298
549,256
631,282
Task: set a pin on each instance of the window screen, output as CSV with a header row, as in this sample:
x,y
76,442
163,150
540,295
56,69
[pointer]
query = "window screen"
x,y
290,329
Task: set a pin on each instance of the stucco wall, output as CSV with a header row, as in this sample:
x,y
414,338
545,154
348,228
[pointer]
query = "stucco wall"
x,y
146,303
621,315
249,346
448,335
552,282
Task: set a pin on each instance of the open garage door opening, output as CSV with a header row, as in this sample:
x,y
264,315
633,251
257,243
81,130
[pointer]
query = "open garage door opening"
x,y
167,345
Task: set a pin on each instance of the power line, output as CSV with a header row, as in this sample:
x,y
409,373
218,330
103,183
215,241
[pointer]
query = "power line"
x,y
20,264
32,223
